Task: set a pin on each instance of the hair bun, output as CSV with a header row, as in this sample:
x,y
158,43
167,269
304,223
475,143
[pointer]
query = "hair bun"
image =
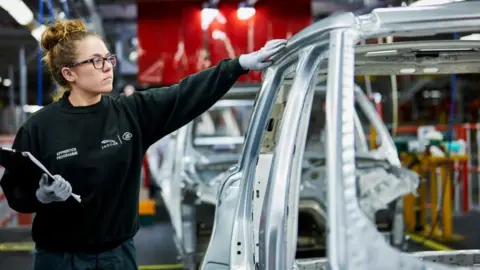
x,y
60,30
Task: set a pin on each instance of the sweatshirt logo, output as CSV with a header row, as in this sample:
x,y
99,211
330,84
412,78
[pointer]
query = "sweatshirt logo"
x,y
108,143
67,153
127,136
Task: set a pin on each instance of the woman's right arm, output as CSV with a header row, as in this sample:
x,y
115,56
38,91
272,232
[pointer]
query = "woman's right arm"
x,y
20,187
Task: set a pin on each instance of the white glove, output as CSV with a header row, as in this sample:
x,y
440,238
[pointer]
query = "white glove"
x,y
259,60
58,191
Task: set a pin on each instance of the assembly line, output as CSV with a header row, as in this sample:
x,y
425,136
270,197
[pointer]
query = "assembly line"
x,y
297,172
277,169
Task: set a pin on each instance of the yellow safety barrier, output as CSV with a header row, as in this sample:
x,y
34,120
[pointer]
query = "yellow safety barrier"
x,y
420,213
422,240
17,246
373,138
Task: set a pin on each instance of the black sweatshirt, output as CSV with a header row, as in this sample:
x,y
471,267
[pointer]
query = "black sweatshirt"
x,y
99,150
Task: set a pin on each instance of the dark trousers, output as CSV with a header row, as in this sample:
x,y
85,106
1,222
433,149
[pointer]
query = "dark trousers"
x,y
120,258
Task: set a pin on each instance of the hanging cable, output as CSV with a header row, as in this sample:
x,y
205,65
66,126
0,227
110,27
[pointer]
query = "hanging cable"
x,y
451,121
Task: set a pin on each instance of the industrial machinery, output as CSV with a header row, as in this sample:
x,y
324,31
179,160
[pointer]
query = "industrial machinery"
x,y
256,212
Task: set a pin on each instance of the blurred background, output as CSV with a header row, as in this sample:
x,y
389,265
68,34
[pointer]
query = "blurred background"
x,y
158,42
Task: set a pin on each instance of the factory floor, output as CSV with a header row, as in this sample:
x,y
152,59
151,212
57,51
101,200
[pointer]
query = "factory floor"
x,y
156,248
465,226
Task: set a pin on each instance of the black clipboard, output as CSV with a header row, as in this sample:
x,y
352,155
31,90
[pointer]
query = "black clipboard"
x,y
13,160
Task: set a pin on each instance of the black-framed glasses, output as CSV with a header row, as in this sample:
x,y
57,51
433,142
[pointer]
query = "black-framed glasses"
x,y
98,62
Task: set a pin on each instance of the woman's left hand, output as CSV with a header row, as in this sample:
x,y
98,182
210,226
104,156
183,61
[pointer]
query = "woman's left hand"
x,y
259,60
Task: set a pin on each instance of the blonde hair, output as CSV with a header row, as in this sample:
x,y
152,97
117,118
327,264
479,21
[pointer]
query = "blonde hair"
x,y
60,49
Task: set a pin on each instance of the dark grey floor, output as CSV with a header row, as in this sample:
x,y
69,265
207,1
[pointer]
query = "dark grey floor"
x,y
155,248
155,245
467,225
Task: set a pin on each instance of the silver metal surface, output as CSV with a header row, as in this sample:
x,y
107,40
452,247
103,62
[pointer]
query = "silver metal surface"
x,y
468,259
361,239
416,58
341,156
272,229
173,195
419,21
295,188
182,175
438,57
353,242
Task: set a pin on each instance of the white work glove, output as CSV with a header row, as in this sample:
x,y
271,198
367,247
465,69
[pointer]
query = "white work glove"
x,y
259,60
58,191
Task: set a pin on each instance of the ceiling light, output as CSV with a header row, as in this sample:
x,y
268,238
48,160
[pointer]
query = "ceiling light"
x,y
7,82
208,15
31,108
378,53
133,56
407,70
37,32
18,10
245,11
217,34
430,70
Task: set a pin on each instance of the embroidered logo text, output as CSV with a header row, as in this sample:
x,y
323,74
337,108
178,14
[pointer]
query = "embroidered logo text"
x,y
67,153
108,143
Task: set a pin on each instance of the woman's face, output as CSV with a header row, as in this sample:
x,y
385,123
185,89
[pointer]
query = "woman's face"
x,y
93,73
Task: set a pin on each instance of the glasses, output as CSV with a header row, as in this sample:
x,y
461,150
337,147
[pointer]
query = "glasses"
x,y
98,62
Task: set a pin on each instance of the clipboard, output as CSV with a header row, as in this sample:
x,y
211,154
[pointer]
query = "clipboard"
x,y
13,160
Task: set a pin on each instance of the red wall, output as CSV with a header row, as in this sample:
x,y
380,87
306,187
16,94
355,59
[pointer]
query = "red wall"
x,y
163,25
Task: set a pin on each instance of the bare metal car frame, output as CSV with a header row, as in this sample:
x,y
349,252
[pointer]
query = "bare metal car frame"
x,y
187,195
183,189
353,241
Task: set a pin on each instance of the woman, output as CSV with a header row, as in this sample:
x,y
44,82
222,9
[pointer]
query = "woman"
x,y
96,143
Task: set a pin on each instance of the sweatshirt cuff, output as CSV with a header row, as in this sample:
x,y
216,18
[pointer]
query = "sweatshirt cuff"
x,y
236,68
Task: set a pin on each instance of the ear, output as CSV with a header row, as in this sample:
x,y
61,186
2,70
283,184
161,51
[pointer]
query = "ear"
x,y
68,74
